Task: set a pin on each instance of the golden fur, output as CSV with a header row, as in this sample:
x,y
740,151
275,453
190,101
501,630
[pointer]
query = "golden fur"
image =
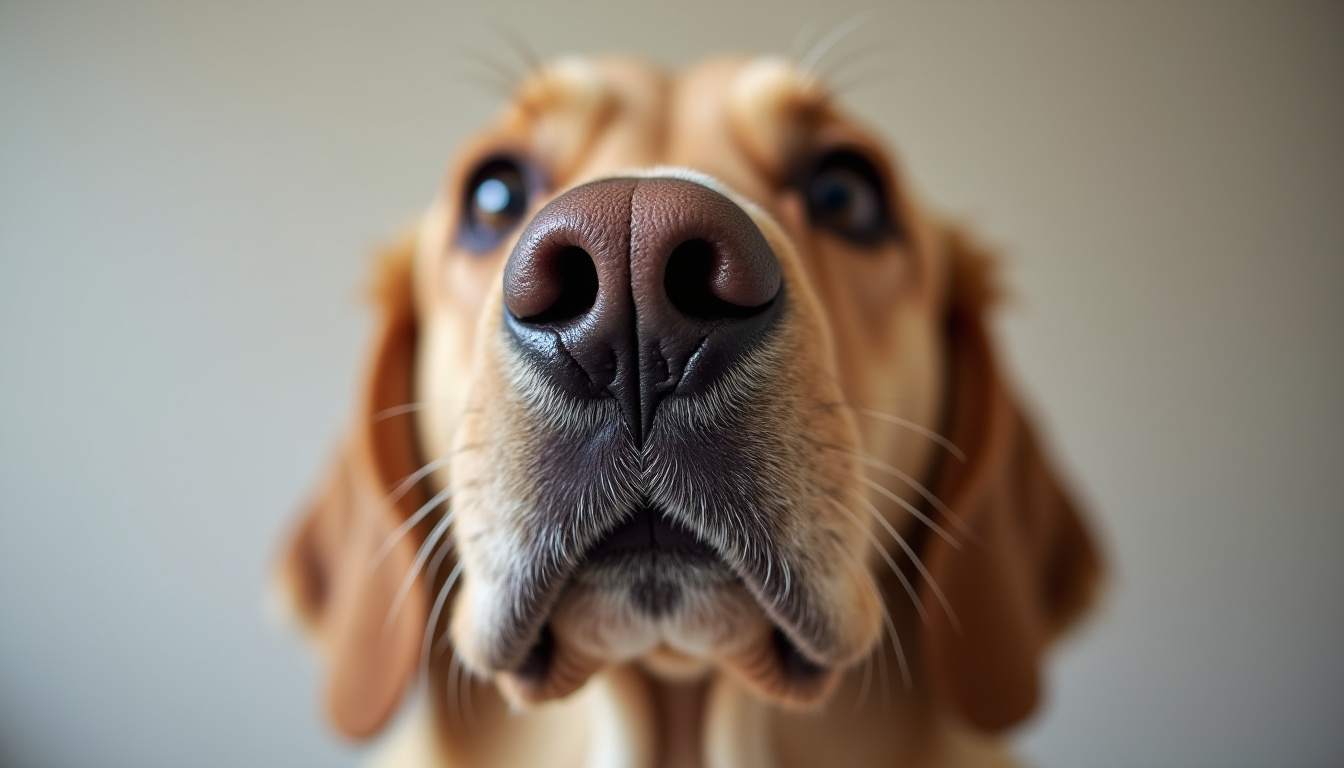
x,y
923,577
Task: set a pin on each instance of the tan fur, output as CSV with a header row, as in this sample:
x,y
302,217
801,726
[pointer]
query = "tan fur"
x,y
877,348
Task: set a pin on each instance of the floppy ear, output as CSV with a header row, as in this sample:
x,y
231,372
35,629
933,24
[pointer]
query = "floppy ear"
x,y
1031,567
342,585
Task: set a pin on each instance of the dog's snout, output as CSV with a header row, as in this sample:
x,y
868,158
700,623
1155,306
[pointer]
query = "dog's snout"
x,y
640,288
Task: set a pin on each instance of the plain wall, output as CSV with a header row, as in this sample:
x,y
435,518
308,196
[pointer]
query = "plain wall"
x,y
189,194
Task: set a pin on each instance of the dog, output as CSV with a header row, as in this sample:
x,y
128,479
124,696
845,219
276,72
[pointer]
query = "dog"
x,y
683,442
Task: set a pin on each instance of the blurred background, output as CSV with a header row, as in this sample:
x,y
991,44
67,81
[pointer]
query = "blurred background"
x,y
189,194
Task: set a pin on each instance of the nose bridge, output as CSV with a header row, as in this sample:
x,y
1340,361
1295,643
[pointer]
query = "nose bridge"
x,y
638,289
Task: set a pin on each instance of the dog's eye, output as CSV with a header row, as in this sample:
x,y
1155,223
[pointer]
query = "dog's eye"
x,y
845,195
495,201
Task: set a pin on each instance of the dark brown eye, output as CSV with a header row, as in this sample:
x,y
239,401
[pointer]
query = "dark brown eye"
x,y
845,195
494,201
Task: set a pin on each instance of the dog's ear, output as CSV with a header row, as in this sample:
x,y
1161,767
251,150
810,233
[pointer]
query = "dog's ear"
x,y
1031,567
341,568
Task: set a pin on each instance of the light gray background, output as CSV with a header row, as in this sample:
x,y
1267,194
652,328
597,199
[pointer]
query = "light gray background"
x,y
188,195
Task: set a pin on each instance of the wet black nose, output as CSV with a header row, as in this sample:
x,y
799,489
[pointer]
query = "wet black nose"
x,y
638,289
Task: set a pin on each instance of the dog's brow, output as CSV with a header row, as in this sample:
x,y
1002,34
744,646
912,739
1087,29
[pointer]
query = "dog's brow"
x,y
777,80
770,98
566,104
561,86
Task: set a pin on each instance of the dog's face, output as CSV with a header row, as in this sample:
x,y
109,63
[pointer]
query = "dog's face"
x,y
668,360
653,448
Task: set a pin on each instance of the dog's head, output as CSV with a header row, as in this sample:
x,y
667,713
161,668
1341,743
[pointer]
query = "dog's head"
x,y
676,372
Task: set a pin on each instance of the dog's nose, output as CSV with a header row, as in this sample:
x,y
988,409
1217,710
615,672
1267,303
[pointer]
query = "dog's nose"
x,y
638,289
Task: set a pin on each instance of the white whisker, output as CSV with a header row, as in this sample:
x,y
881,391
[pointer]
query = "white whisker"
x,y
890,629
868,660
896,646
891,562
403,487
454,689
435,535
913,510
802,38
914,427
507,74
867,683
876,463
408,482
433,623
825,44
527,55
399,410
919,564
406,525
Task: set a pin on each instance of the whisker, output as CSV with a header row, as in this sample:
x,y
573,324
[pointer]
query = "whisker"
x,y
408,482
913,427
399,410
896,646
867,683
510,75
868,661
801,38
489,82
527,55
919,564
433,623
405,485
445,640
914,511
890,629
406,525
454,691
496,84
828,42
835,68
891,562
435,535
466,683
433,571
882,671
876,463
420,405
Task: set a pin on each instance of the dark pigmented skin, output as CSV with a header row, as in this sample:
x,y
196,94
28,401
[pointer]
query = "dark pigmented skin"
x,y
677,284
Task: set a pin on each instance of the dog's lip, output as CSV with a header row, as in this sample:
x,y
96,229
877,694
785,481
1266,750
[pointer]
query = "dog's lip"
x,y
548,670
649,531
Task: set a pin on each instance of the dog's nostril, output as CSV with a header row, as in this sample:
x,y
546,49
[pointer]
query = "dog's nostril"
x,y
569,282
690,283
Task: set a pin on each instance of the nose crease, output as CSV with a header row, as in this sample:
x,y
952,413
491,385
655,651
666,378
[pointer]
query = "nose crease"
x,y
592,379
685,286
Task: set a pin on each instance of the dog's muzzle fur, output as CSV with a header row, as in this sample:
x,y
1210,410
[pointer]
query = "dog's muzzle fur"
x,y
649,357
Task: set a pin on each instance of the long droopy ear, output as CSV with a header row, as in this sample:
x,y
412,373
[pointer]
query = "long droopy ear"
x,y
1031,567
342,583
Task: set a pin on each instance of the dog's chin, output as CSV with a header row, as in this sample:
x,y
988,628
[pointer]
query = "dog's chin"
x,y
651,593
